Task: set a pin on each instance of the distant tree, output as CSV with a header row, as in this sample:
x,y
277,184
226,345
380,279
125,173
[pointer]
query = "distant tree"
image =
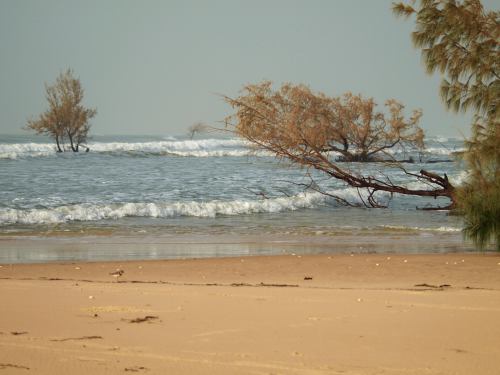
x,y
66,119
196,128
460,39
310,128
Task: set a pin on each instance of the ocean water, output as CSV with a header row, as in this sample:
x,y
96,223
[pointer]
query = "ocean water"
x,y
156,186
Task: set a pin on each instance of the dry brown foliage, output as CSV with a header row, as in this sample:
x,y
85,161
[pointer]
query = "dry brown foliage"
x,y
66,119
309,128
350,125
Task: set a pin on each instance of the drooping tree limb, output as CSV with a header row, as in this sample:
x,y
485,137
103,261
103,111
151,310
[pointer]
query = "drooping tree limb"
x,y
304,128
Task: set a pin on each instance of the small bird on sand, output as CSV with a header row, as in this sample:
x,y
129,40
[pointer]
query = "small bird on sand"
x,y
117,274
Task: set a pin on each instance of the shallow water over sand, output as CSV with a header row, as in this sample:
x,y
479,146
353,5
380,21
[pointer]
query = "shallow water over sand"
x,y
72,247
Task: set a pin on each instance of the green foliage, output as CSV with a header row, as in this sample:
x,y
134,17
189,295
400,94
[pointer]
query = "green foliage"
x,y
460,39
481,206
483,149
479,198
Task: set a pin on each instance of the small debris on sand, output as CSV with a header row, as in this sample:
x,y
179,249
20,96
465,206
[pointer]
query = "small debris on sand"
x,y
17,333
308,278
136,368
278,285
3,366
147,318
79,338
425,285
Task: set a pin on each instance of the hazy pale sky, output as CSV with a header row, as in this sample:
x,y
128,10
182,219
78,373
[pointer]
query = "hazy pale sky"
x,y
156,67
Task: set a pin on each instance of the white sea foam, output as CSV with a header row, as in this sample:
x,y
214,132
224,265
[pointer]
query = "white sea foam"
x,y
192,148
441,139
443,150
15,150
422,229
455,179
460,178
210,209
170,146
94,212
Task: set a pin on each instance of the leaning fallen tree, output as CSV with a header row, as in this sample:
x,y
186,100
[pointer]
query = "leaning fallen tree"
x,y
312,130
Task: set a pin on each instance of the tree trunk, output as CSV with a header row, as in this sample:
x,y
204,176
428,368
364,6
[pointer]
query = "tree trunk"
x,y
71,143
58,145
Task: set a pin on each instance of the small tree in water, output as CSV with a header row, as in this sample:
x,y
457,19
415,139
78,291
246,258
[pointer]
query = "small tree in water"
x,y
66,119
196,128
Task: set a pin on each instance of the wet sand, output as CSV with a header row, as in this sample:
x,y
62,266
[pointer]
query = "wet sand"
x,y
290,314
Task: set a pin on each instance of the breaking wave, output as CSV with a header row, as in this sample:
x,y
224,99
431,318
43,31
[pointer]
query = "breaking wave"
x,y
191,148
170,146
16,150
95,212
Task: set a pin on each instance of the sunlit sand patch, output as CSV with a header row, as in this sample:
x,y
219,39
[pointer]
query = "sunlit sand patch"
x,y
218,332
446,307
115,309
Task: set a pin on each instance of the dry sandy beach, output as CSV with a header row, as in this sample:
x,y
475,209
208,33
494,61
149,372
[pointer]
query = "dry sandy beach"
x,y
312,314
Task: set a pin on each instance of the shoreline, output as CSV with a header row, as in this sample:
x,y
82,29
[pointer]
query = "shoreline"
x,y
361,314
75,248
458,269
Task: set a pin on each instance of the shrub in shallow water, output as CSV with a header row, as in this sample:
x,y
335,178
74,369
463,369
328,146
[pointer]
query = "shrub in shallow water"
x,y
480,206
459,39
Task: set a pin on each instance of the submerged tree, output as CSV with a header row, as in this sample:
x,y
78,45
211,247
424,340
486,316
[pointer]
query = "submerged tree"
x,y
460,39
196,128
312,129
66,119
